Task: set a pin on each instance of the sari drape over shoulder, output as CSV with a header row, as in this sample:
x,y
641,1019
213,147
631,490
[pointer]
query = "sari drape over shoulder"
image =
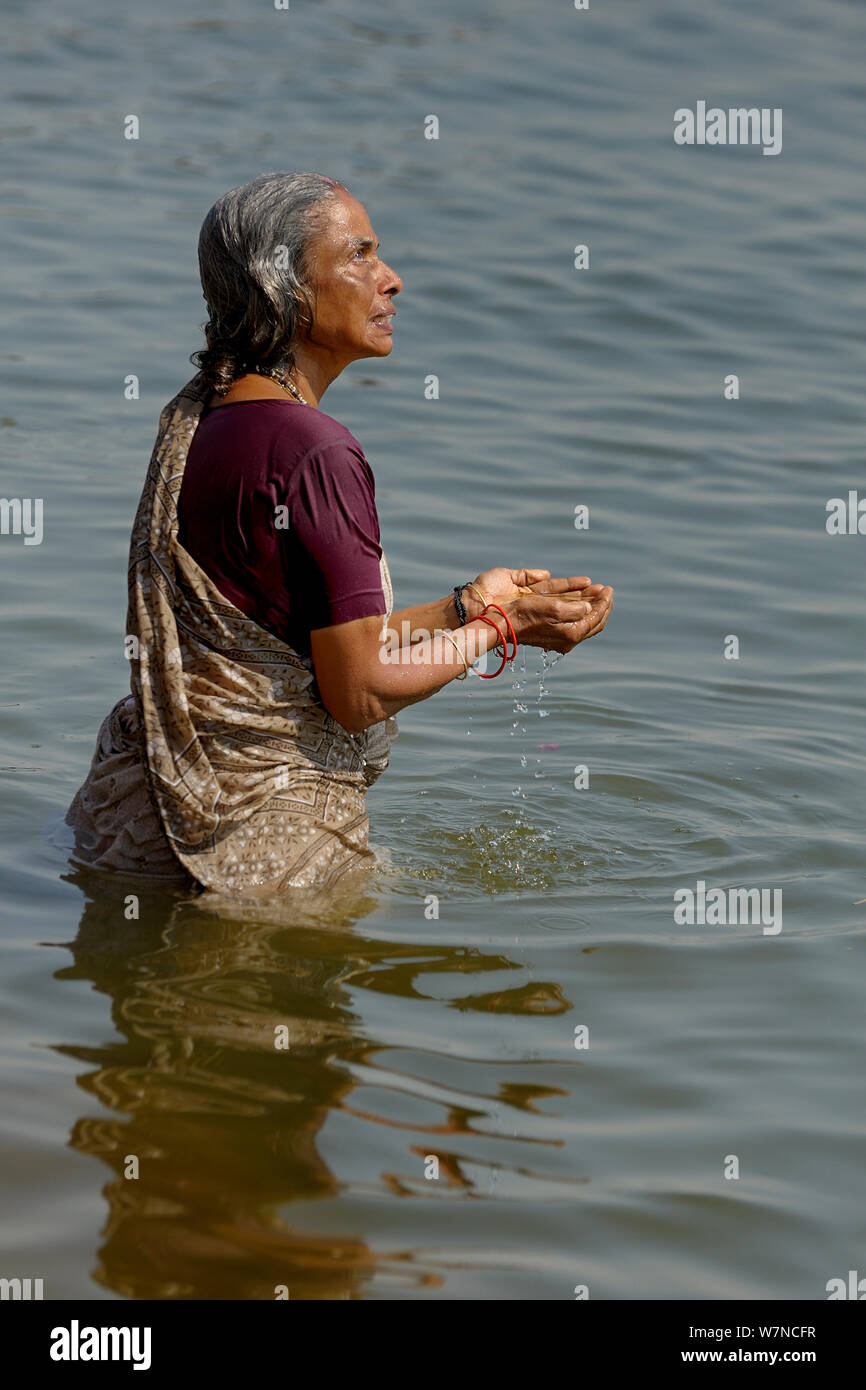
x,y
223,764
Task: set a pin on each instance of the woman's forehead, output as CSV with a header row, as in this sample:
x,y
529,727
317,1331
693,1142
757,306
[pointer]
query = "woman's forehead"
x,y
346,221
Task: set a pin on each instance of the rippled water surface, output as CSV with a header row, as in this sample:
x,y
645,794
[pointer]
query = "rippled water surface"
x,y
413,1036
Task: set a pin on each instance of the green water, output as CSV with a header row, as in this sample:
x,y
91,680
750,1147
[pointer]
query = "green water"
x,y
414,1036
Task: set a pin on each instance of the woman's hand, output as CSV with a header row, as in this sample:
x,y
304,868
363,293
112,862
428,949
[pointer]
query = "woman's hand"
x,y
502,586
557,623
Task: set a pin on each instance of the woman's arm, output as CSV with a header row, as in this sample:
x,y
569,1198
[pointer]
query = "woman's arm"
x,y
371,668
427,617
365,672
498,586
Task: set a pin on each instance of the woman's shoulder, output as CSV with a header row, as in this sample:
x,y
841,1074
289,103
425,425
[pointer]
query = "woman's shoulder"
x,y
319,424
309,433
282,428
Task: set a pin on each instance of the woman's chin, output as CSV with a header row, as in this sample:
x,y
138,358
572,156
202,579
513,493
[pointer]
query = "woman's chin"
x,y
381,346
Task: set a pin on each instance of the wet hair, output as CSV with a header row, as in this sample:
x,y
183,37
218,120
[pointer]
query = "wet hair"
x,y
252,256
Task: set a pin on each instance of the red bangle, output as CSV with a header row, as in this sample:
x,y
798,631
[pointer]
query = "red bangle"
x,y
502,642
510,629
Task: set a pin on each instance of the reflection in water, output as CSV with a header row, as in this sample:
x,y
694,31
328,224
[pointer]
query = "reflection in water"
x,y
223,1123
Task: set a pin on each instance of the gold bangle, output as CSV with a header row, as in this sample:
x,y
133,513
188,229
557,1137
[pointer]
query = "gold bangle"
x,y
478,592
461,654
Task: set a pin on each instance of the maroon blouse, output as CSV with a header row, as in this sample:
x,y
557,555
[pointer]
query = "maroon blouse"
x,y
314,564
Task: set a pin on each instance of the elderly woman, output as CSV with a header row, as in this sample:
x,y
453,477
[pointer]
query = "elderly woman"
x,y
267,661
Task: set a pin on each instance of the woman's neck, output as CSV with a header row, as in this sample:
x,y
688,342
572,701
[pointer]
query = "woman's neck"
x,y
252,387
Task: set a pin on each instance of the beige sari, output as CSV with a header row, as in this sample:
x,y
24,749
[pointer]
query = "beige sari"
x,y
223,765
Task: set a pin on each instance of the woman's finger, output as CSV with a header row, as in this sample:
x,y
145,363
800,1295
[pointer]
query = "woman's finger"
x,y
594,622
559,586
524,579
596,613
566,604
590,592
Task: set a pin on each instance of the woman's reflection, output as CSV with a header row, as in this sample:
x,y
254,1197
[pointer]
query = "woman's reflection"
x,y
222,1123
221,1118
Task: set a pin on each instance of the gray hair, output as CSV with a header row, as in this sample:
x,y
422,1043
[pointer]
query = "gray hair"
x,y
252,256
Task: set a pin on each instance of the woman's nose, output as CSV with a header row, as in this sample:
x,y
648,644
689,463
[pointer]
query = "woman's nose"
x,y
391,283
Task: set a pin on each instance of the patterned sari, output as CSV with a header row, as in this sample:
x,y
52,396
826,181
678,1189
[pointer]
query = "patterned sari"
x,y
223,765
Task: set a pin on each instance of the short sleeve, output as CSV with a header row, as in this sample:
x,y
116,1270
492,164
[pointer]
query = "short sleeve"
x,y
333,520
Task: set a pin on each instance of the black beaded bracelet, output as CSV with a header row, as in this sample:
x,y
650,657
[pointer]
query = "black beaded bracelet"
x,y
459,604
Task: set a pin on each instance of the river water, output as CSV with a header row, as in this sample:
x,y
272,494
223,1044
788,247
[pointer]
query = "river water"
x,y
614,1100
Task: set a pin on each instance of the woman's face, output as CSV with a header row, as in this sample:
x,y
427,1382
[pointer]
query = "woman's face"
x,y
352,287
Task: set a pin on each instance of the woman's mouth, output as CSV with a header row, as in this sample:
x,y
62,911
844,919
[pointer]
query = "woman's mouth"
x,y
383,322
